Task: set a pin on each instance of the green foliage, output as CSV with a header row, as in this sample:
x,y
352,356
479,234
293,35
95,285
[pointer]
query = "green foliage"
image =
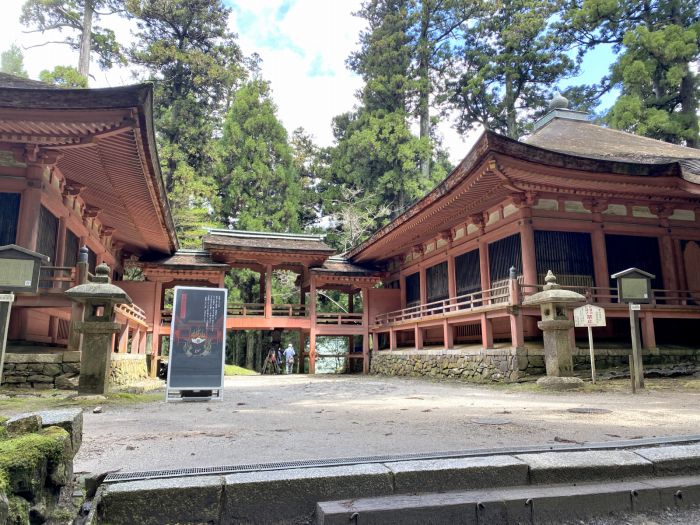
x,y
187,50
12,62
257,179
64,76
66,20
508,60
657,42
234,370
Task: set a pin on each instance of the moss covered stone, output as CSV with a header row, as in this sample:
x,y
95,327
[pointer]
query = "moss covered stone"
x,y
26,460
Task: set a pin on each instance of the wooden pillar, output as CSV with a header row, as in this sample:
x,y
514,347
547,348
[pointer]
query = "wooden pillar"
x,y
365,330
123,338
351,302
516,329
486,332
668,263
375,342
268,291
423,287
222,280
312,333
302,349
648,334
418,331
142,341
155,339
451,279
136,340
448,335
527,245
30,208
484,265
600,257
312,350
392,339
402,290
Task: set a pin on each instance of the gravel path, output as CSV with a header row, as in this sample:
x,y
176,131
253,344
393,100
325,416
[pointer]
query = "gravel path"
x,y
275,418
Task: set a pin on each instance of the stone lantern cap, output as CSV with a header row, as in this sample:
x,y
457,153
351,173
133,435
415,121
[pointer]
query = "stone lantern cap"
x,y
553,293
100,289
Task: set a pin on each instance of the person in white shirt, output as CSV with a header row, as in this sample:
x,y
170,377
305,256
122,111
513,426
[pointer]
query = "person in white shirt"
x,y
289,354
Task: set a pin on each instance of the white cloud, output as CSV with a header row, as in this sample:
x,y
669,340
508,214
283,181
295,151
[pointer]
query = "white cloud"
x,y
303,45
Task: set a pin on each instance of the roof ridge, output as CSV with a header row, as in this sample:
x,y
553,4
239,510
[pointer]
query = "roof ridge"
x,y
262,235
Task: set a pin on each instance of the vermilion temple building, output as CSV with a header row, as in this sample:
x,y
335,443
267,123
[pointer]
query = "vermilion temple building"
x,y
433,289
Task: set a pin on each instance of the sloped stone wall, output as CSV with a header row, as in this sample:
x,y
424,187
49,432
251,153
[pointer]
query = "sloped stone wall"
x,y
127,368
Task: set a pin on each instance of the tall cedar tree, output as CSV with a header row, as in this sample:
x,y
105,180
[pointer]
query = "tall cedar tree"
x,y
508,61
377,155
12,62
258,184
657,43
194,61
74,23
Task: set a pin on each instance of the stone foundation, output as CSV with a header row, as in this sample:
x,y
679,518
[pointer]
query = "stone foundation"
x,y
476,365
508,364
39,370
127,369
56,370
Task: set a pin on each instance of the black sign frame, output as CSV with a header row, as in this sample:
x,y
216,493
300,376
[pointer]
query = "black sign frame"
x,y
197,344
14,252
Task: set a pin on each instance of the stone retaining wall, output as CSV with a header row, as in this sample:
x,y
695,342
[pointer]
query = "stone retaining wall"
x,y
40,371
507,364
128,368
470,364
61,370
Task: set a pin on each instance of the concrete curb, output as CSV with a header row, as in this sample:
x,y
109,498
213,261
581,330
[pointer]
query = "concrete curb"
x,y
576,482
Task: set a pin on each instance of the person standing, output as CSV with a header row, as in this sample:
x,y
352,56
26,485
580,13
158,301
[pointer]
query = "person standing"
x,y
289,354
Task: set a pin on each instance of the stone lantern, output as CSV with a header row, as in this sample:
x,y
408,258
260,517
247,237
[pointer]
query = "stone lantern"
x,y
99,298
555,325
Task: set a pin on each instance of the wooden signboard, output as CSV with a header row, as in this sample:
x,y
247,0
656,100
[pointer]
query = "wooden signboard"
x,y
197,344
19,269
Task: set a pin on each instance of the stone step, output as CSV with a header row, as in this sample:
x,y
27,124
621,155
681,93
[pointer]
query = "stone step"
x,y
536,504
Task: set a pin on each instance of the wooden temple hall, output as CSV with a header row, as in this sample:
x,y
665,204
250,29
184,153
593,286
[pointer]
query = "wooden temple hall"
x,y
79,168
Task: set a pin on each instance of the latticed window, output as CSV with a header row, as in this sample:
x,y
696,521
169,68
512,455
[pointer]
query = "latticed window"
x,y
468,273
413,289
436,282
568,254
48,234
70,257
503,254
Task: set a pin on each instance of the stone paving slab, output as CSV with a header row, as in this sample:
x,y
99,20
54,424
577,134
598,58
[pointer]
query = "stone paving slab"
x,y
594,465
541,504
286,496
673,461
155,502
458,474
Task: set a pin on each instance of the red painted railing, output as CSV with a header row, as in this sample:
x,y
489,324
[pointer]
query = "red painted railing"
x,y
339,318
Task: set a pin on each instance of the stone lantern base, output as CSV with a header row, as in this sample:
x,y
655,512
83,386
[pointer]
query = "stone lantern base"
x,y
557,350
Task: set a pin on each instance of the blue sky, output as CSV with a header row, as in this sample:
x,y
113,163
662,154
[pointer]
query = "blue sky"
x,y
303,45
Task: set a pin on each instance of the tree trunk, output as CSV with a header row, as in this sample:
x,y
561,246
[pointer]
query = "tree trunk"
x,y
85,39
250,350
509,102
424,85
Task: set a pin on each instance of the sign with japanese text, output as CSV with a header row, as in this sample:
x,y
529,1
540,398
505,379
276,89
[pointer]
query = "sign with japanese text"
x,y
589,315
197,340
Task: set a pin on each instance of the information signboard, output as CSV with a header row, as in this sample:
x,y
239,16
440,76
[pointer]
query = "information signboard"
x,y
589,315
19,269
197,343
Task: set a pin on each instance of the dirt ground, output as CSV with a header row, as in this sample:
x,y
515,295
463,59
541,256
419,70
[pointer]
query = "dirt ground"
x,y
279,418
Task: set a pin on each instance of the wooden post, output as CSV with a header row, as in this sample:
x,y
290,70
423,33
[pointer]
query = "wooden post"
x,y
527,245
648,333
448,335
155,338
302,349
268,291
484,266
418,331
365,330
392,339
312,333
486,332
451,279
135,340
600,257
30,208
402,290
592,352
516,329
375,342
123,338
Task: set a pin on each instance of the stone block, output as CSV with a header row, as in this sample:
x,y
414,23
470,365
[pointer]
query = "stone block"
x,y
594,465
67,382
23,424
681,492
153,502
71,357
52,369
42,386
14,379
70,420
418,509
559,383
674,460
458,474
33,358
290,496
40,378
580,504
71,368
